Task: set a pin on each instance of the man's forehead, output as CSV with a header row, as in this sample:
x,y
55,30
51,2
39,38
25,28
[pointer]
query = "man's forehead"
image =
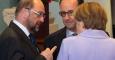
x,y
39,8
38,5
68,5
70,2
67,8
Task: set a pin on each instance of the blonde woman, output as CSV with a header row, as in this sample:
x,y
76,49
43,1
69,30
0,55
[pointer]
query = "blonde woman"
x,y
91,43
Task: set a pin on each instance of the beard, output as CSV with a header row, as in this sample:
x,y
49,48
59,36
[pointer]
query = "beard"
x,y
70,25
35,29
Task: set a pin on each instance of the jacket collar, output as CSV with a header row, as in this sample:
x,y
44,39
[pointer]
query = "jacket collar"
x,y
91,33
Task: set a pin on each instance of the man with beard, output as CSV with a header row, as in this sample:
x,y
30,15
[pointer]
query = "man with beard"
x,y
17,41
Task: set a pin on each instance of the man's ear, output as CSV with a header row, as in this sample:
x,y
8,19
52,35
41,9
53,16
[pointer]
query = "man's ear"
x,y
25,13
27,9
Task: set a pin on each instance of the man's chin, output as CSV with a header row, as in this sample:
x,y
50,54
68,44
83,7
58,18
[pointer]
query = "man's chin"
x,y
35,30
69,27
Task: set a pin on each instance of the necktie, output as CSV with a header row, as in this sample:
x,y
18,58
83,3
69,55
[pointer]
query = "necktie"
x,y
32,38
74,34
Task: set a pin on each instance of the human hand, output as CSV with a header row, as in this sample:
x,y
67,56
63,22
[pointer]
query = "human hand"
x,y
48,53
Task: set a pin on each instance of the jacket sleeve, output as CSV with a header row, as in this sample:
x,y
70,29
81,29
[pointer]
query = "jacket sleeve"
x,y
40,57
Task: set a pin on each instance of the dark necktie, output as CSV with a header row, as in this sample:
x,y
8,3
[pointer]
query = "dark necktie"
x,y
33,41
32,38
74,34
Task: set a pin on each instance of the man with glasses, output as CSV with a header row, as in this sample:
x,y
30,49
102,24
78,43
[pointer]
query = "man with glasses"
x,y
66,9
17,41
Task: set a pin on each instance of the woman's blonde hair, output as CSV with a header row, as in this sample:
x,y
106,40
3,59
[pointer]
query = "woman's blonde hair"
x,y
92,15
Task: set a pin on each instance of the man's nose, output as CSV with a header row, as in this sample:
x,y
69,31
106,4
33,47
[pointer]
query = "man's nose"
x,y
67,16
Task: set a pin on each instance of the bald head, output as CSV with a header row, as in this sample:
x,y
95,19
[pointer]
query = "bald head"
x,y
61,1
66,9
28,4
79,1
68,4
38,4
30,13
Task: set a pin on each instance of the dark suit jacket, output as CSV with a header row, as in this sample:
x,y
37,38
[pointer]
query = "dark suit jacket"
x,y
55,39
15,45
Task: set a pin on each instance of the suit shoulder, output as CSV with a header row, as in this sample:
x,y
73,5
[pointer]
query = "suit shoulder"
x,y
58,33
55,38
8,32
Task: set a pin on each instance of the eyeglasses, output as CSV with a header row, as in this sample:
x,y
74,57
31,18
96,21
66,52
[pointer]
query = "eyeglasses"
x,y
63,13
39,13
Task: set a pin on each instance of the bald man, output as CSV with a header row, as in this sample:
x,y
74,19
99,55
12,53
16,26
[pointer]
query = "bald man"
x,y
17,41
66,9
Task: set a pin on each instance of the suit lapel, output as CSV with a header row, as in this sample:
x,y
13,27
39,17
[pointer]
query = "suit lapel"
x,y
62,33
23,36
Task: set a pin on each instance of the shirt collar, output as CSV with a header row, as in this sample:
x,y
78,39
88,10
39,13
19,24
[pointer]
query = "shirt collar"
x,y
69,33
22,27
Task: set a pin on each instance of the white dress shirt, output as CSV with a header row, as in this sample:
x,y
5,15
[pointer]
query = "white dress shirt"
x,y
69,33
23,28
